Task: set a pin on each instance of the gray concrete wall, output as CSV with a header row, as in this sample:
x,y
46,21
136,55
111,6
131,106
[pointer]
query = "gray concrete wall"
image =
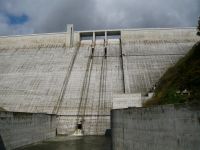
x,y
148,53
19,129
40,74
91,98
127,100
169,127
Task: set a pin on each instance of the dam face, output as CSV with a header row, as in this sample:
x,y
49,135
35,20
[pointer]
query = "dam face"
x,y
81,76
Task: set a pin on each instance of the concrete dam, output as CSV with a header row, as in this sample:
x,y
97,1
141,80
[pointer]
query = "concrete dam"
x,y
79,76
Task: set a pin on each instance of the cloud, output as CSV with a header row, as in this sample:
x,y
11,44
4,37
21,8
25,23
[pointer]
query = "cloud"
x,y
150,13
52,16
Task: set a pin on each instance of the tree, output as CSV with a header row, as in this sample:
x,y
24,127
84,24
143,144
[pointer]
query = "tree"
x,y
198,27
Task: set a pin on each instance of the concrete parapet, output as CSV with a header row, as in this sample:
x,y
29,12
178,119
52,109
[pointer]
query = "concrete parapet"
x,y
165,35
48,40
168,127
51,40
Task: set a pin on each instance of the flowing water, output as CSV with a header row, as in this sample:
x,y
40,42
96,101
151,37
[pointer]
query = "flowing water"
x,y
73,143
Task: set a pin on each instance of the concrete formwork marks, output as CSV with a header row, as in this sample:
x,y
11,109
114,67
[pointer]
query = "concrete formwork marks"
x,y
20,129
31,79
169,127
71,83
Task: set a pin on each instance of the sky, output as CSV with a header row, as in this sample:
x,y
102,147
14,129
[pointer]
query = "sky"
x,y
45,16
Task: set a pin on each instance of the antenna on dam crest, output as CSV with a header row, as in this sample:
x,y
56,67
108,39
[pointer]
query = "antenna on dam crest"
x,y
70,33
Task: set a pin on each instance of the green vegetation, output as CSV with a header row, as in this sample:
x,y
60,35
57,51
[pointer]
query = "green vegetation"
x,y
181,83
198,28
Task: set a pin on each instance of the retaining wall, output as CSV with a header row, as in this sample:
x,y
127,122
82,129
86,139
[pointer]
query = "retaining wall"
x,y
43,74
19,129
170,127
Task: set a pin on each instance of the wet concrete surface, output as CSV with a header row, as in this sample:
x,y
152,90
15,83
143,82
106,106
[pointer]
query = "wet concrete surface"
x,y
72,143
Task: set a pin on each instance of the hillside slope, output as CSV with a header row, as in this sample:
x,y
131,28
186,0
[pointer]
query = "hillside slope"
x,y
181,83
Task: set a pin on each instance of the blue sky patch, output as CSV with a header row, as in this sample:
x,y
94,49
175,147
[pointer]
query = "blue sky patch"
x,y
15,20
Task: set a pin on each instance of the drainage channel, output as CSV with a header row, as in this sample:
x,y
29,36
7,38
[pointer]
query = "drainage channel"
x,y
84,95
